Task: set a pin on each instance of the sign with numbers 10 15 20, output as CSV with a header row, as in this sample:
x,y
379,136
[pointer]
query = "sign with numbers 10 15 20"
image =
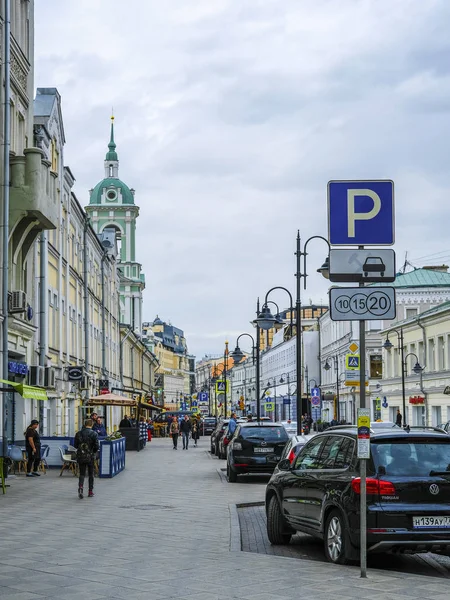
x,y
362,304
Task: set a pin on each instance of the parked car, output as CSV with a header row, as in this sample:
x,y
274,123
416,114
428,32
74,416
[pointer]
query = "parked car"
x,y
292,448
217,434
255,447
208,425
408,493
290,426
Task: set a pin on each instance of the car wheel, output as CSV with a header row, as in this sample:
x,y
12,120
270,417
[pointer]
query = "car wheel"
x,y
276,530
231,474
335,539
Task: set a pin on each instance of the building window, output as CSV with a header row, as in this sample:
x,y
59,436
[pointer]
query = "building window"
x,y
376,366
54,156
436,416
431,355
410,313
441,354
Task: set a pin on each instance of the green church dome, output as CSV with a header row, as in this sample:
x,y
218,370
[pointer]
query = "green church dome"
x,y
111,183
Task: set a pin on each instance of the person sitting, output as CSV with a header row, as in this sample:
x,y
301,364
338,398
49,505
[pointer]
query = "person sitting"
x,y
402,462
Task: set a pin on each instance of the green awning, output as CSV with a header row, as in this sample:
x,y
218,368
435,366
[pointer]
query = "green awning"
x,y
27,391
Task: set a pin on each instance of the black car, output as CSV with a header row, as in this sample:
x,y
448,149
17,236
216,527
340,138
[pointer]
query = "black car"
x,y
408,493
255,447
217,434
208,425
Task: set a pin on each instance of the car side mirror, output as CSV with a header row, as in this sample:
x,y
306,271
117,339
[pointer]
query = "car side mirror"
x,y
284,465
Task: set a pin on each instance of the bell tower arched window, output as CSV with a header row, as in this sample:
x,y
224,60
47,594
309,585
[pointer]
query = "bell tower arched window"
x,y
110,170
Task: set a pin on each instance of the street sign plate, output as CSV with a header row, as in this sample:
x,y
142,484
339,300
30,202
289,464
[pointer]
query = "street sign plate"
x,y
315,400
362,304
269,405
315,391
286,401
366,266
363,433
352,362
203,397
353,347
361,213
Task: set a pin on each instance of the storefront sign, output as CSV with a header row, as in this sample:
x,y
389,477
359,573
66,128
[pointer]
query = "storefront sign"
x,y
18,368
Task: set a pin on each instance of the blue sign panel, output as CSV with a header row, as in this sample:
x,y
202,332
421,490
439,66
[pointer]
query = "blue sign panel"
x,y
315,392
18,368
203,397
286,401
361,213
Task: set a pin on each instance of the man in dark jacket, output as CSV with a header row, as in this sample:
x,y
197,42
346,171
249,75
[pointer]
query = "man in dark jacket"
x,y
86,443
185,428
125,422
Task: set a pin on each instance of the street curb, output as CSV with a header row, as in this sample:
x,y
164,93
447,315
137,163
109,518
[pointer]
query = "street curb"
x,y
235,529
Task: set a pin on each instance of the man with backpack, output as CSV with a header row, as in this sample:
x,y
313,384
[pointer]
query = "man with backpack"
x,y
86,443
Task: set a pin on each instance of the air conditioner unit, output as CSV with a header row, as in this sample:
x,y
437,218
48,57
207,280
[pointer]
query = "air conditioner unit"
x,y
36,376
50,377
18,302
84,383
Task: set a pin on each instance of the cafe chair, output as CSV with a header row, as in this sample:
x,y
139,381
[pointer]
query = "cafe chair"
x,y
68,462
45,451
19,458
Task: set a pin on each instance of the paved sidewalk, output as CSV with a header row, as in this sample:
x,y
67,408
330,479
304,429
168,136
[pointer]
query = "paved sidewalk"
x,y
161,530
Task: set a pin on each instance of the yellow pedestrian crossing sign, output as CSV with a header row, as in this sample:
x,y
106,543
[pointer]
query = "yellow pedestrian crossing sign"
x,y
269,405
352,362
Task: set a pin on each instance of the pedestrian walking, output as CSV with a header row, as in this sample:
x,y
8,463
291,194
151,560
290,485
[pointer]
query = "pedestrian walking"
x,y
169,423
195,431
86,443
174,432
185,428
142,432
33,448
232,424
149,430
399,418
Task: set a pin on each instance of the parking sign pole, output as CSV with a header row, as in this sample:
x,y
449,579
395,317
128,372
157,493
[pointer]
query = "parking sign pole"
x,y
363,463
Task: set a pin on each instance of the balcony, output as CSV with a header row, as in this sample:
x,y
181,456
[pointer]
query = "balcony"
x,y
33,199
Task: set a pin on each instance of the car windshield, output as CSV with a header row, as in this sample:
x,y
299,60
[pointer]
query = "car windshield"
x,y
276,434
416,458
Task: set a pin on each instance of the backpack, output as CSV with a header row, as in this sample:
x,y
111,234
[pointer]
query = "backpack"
x,y
85,454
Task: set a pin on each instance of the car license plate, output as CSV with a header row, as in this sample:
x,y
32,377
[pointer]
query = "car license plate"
x,y
263,450
431,522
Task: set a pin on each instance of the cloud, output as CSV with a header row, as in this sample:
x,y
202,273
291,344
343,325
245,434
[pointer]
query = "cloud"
x,y
230,119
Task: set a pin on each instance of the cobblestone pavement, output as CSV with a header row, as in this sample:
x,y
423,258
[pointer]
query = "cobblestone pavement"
x,y
160,530
252,521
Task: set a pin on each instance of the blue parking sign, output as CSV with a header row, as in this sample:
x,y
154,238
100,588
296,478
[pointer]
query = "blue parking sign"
x,y
361,213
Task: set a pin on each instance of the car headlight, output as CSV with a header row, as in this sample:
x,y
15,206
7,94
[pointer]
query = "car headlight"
x,y
237,446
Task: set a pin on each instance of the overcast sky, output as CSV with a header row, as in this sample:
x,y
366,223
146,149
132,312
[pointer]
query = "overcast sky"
x,y
232,115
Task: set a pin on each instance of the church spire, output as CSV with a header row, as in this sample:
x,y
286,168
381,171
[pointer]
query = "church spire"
x,y
112,154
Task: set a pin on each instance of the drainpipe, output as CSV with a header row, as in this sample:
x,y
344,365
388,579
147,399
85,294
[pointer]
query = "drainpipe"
x,y
43,308
102,264
425,394
86,295
5,224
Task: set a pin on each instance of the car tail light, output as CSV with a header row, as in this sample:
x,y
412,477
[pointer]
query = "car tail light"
x,y
291,456
226,441
374,486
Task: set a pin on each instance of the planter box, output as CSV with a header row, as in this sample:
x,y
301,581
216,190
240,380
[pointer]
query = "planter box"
x,y
112,457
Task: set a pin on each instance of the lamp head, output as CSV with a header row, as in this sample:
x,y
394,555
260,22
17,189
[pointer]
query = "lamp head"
x,y
387,344
327,366
417,369
325,268
265,319
237,355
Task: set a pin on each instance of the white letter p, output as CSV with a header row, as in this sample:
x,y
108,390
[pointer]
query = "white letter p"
x,y
354,216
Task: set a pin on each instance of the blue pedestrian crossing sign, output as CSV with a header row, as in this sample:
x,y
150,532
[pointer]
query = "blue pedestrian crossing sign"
x,y
352,362
361,213
221,385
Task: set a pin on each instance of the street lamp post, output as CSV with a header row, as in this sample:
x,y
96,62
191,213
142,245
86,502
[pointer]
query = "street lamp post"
x,y
327,367
237,355
267,320
417,368
289,389
225,367
269,384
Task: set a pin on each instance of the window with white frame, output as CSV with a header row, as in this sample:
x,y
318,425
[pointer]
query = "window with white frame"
x,y
440,353
436,418
431,355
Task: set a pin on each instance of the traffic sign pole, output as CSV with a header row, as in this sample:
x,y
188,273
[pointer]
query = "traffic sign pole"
x,y
362,462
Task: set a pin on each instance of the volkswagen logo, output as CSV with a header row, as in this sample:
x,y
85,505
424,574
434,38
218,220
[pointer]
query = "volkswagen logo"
x,y
434,489
265,444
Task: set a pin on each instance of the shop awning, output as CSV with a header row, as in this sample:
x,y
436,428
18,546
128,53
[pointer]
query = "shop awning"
x,y
111,400
27,391
152,406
